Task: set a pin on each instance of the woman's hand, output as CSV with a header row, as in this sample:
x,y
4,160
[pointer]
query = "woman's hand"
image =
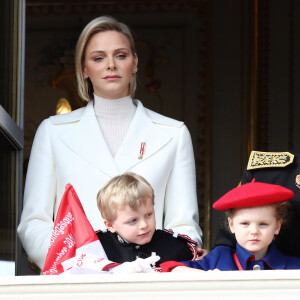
x,y
201,252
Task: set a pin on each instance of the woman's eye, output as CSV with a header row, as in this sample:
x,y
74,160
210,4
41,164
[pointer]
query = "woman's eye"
x,y
98,58
149,214
121,56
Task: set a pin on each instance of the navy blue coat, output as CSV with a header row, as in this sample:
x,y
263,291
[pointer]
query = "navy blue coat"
x,y
221,258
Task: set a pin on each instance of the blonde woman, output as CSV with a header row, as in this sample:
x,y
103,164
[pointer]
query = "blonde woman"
x,y
113,134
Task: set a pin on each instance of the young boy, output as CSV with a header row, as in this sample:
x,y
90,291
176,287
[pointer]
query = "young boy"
x,y
256,213
126,204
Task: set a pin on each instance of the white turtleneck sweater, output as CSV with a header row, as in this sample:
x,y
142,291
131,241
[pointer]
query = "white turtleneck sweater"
x,y
114,118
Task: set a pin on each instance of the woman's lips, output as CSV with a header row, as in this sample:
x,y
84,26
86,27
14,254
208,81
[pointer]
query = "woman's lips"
x,y
112,77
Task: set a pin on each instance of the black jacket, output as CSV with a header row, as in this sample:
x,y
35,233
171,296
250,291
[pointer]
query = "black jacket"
x,y
163,243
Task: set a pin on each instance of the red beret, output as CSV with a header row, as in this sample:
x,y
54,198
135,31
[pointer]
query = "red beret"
x,y
253,194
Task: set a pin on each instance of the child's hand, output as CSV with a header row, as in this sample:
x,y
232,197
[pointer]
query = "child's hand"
x,y
140,265
201,252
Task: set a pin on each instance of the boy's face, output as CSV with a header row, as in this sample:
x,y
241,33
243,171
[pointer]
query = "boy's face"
x,y
135,226
254,228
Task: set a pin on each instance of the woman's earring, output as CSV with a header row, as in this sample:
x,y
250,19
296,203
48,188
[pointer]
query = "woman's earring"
x,y
135,70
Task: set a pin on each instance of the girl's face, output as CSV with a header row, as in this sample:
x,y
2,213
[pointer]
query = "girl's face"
x,y
254,228
110,64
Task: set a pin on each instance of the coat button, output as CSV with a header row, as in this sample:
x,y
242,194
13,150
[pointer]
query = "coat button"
x,y
137,246
256,268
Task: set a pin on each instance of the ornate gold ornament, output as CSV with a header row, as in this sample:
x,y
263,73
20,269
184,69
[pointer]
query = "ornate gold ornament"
x,y
259,159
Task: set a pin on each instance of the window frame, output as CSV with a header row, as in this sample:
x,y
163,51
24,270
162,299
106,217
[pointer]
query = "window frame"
x,y
11,125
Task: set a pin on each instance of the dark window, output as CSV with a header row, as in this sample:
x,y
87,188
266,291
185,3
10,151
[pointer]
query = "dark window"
x,y
11,133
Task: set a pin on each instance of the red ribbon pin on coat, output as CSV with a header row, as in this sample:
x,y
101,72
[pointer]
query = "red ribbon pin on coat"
x,y
142,150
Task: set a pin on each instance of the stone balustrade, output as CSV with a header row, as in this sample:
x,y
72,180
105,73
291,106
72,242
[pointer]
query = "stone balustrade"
x,y
203,285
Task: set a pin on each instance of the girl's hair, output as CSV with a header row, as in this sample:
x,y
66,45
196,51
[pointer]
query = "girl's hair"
x,y
127,189
281,212
100,24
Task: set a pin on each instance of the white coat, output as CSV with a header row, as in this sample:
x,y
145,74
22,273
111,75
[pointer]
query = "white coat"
x,y
71,149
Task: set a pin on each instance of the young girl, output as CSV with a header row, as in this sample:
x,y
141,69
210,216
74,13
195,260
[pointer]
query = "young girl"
x,y
256,213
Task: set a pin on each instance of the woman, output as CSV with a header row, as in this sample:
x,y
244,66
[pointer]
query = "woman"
x,y
113,134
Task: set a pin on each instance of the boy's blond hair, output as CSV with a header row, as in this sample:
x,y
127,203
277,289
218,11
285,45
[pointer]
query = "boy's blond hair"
x,y
127,189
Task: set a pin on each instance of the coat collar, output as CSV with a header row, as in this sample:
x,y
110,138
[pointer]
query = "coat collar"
x,y
274,259
86,140
141,130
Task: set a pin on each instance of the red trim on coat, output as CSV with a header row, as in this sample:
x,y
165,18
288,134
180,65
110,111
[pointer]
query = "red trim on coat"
x,y
111,265
168,266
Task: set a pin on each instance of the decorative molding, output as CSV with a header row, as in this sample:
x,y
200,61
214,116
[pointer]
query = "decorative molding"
x,y
229,285
68,6
203,160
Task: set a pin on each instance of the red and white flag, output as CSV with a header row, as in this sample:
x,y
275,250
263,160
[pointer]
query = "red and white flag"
x,y
74,246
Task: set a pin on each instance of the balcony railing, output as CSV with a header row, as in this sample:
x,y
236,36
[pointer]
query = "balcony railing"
x,y
203,285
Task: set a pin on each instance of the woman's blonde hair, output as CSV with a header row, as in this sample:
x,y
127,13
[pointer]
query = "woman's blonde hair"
x,y
127,189
100,24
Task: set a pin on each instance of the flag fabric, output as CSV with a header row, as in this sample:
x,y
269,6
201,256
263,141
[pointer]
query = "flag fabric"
x,y
74,245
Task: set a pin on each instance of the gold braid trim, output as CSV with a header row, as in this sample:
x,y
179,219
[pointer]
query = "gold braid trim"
x,y
259,160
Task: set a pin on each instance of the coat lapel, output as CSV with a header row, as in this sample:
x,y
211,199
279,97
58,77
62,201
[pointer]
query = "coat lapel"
x,y
86,140
141,130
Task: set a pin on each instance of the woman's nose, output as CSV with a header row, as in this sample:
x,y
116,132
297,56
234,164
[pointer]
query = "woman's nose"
x,y
111,64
